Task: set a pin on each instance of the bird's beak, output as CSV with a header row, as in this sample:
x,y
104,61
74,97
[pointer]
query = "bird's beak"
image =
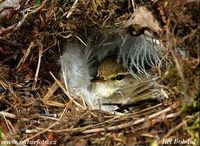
x,y
98,79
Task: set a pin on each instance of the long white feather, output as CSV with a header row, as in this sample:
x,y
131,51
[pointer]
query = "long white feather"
x,y
79,63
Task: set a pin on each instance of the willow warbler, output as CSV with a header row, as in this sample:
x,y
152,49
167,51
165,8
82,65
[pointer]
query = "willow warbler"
x,y
115,85
114,82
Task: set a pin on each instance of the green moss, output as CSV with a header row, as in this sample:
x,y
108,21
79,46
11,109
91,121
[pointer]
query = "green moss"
x,y
38,2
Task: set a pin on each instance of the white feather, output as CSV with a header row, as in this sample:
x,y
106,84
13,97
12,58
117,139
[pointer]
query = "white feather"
x,y
79,63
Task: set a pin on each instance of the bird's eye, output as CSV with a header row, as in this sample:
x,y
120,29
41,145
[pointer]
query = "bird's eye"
x,y
119,77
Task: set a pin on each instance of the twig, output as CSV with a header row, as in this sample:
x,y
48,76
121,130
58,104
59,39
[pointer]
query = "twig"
x,y
9,115
81,41
50,92
7,30
54,124
173,129
38,66
193,32
71,10
49,118
180,72
112,128
8,42
17,99
8,124
29,13
147,109
129,124
66,91
133,5
26,55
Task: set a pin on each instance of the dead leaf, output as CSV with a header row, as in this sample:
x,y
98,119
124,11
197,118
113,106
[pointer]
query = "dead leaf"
x,y
143,19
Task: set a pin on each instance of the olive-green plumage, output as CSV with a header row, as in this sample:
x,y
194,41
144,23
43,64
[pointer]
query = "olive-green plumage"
x,y
114,84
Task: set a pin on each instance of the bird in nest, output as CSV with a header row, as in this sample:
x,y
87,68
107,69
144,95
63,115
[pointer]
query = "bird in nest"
x,y
111,71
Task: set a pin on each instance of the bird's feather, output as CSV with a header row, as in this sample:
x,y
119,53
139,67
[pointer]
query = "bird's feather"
x,y
79,63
